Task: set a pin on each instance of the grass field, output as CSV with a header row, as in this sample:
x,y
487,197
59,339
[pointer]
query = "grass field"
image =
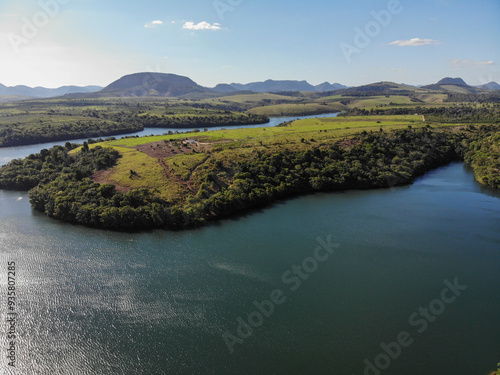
x,y
432,98
149,174
379,101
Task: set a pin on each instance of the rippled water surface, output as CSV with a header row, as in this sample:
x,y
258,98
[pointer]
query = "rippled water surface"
x,y
96,302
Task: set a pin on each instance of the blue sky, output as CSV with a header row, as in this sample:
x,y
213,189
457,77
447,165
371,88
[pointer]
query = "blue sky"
x,y
82,42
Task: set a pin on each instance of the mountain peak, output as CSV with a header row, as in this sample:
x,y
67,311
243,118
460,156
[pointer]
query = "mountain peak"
x,y
152,84
452,81
491,86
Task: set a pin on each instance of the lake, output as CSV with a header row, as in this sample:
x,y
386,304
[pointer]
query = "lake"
x,y
390,281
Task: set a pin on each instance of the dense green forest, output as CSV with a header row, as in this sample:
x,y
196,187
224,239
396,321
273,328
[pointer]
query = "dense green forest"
x,y
48,165
225,119
61,186
485,97
18,134
483,155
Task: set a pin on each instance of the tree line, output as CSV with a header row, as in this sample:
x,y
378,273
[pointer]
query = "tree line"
x,y
195,121
483,155
457,113
18,134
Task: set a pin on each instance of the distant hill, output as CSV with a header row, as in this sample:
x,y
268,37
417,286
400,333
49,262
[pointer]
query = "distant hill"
x,y
281,86
224,89
329,87
490,86
454,85
379,88
452,81
24,92
152,84
274,86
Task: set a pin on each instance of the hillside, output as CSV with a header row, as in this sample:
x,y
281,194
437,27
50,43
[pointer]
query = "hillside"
x,y
380,88
326,86
223,88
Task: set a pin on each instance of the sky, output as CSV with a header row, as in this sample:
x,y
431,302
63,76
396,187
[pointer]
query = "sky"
x,y
52,43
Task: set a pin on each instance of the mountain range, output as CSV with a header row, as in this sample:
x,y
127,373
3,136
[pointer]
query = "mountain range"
x,y
162,84
24,92
281,86
172,85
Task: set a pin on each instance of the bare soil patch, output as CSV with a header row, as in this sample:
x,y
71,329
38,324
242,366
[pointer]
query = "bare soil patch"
x,y
162,150
102,177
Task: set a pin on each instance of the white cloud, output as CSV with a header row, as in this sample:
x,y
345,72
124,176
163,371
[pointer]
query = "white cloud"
x,y
201,26
471,63
415,42
153,24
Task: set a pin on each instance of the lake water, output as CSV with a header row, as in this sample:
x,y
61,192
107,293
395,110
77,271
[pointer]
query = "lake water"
x,y
97,302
